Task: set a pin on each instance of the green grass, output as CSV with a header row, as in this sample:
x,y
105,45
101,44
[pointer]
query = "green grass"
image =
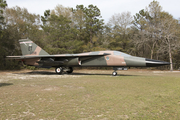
x,y
90,94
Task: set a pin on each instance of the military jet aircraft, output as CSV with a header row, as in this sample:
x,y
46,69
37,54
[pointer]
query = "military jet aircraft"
x,y
33,55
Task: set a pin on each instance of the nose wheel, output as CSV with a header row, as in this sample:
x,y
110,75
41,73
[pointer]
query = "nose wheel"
x,y
114,73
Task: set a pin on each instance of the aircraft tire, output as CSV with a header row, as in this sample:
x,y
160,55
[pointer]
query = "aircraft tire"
x,y
70,70
114,73
59,70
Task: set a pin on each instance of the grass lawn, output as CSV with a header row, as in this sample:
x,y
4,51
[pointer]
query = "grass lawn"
x,y
90,94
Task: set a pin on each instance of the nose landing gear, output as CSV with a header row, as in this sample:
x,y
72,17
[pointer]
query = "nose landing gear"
x,y
114,73
118,68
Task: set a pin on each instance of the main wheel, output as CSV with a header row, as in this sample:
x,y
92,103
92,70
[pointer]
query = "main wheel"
x,y
59,70
114,73
70,70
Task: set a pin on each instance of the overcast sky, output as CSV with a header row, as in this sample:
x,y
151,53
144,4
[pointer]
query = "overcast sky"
x,y
107,7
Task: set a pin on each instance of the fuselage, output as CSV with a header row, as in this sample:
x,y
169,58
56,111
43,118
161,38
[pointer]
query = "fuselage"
x,y
94,59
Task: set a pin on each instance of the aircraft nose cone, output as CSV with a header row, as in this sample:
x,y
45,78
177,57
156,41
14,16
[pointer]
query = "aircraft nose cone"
x,y
155,63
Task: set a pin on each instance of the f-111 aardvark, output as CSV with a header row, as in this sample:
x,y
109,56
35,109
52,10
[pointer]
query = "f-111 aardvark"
x,y
33,55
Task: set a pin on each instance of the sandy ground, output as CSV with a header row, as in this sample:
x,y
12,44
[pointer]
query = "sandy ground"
x,y
31,74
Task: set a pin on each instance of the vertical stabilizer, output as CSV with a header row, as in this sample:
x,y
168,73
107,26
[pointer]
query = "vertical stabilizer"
x,y
28,47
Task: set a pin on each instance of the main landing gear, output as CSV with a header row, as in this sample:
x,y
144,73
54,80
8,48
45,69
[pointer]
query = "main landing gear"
x,y
60,70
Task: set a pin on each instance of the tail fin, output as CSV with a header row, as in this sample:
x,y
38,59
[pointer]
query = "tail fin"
x,y
28,47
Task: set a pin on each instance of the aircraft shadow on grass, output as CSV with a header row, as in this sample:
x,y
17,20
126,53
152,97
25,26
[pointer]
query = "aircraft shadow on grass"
x,y
5,84
52,73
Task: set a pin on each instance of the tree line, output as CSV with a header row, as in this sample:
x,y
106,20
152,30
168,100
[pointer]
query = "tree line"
x,y
151,33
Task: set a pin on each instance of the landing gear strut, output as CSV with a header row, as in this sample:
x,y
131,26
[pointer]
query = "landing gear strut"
x,y
69,70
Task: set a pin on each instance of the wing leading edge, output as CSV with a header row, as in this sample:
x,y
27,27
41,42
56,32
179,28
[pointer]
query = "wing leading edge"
x,y
56,56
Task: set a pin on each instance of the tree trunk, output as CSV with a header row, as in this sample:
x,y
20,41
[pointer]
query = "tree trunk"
x,y
91,36
152,54
170,58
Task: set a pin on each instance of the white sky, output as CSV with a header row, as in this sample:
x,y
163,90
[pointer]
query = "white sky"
x,y
107,7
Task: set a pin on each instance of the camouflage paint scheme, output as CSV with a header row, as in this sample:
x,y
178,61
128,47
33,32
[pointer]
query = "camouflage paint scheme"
x,y
35,56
